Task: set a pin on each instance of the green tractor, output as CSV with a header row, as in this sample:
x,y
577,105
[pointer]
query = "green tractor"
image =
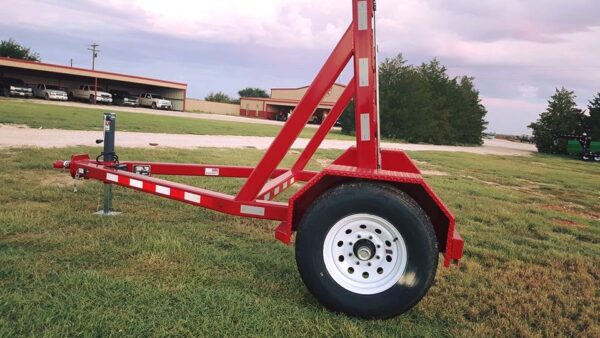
x,y
581,145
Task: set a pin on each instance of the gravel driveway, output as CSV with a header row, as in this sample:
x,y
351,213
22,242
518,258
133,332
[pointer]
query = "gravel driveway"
x,y
19,136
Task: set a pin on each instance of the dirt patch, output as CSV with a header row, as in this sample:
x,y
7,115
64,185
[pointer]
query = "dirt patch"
x,y
324,162
570,223
434,173
574,209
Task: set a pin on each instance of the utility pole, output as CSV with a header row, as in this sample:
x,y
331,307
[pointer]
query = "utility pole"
x,y
71,62
94,56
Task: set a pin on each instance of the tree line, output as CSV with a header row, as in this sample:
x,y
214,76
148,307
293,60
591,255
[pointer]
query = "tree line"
x,y
246,92
424,104
12,49
562,116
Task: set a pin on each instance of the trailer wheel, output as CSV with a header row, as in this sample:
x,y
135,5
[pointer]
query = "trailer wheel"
x,y
367,250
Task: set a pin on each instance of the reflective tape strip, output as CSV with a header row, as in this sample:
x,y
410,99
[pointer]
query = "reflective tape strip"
x,y
136,183
252,210
163,190
112,177
188,196
363,72
365,127
362,16
211,171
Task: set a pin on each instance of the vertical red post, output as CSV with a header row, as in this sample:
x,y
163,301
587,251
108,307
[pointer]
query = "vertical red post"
x,y
367,119
95,90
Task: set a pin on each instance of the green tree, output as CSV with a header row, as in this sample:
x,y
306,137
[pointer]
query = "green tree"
x,y
594,118
218,97
10,48
561,117
253,92
423,104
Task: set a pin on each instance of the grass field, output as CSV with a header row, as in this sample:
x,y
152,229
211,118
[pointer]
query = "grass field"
x,y
48,116
531,264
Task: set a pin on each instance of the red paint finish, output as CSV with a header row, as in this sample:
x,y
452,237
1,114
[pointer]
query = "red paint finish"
x,y
299,118
365,103
325,127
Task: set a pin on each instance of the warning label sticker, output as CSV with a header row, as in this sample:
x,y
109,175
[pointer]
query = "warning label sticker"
x,y
211,171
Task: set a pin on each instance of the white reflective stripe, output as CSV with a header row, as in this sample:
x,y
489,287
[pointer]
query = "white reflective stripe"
x,y
188,196
252,210
363,72
362,15
365,127
267,197
211,171
163,190
136,183
276,190
112,177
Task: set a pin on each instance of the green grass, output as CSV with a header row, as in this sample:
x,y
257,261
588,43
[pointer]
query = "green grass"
x,y
531,264
50,116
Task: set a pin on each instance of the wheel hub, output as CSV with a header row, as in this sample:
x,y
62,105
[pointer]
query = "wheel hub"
x,y
364,249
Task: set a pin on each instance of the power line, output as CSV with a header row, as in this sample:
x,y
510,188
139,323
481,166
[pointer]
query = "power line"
x,y
94,53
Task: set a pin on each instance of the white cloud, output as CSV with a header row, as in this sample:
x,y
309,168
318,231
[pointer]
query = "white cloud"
x,y
528,91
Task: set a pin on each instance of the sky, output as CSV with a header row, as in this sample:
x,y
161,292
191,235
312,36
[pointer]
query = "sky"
x,y
518,51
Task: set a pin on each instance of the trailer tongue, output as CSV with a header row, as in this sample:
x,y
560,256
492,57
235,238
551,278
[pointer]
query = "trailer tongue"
x,y
369,228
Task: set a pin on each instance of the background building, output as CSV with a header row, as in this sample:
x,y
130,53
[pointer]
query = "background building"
x,y
33,73
283,101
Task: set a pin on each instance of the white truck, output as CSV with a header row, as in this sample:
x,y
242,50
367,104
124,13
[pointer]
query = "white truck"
x,y
87,92
154,101
50,92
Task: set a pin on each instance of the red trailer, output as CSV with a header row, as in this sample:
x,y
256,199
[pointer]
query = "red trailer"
x,y
368,227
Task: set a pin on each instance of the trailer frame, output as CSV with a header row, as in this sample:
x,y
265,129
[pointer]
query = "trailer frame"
x,y
363,162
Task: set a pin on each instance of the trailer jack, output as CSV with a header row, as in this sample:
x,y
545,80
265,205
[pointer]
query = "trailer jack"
x,y
368,227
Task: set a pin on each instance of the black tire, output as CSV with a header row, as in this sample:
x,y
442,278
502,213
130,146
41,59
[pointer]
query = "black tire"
x,y
399,210
153,105
91,100
46,96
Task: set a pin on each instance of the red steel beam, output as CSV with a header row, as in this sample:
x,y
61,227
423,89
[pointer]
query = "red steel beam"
x,y
276,186
325,127
365,102
182,193
290,131
209,170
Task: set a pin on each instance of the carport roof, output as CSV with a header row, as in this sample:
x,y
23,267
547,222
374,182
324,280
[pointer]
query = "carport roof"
x,y
50,68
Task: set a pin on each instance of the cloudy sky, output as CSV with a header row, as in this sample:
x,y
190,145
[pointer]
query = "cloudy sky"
x,y
517,50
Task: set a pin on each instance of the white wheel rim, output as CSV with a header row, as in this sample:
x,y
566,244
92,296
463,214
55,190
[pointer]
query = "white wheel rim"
x,y
376,274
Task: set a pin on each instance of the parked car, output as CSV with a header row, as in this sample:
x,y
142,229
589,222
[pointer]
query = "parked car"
x,y
50,92
124,98
87,92
154,101
14,87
